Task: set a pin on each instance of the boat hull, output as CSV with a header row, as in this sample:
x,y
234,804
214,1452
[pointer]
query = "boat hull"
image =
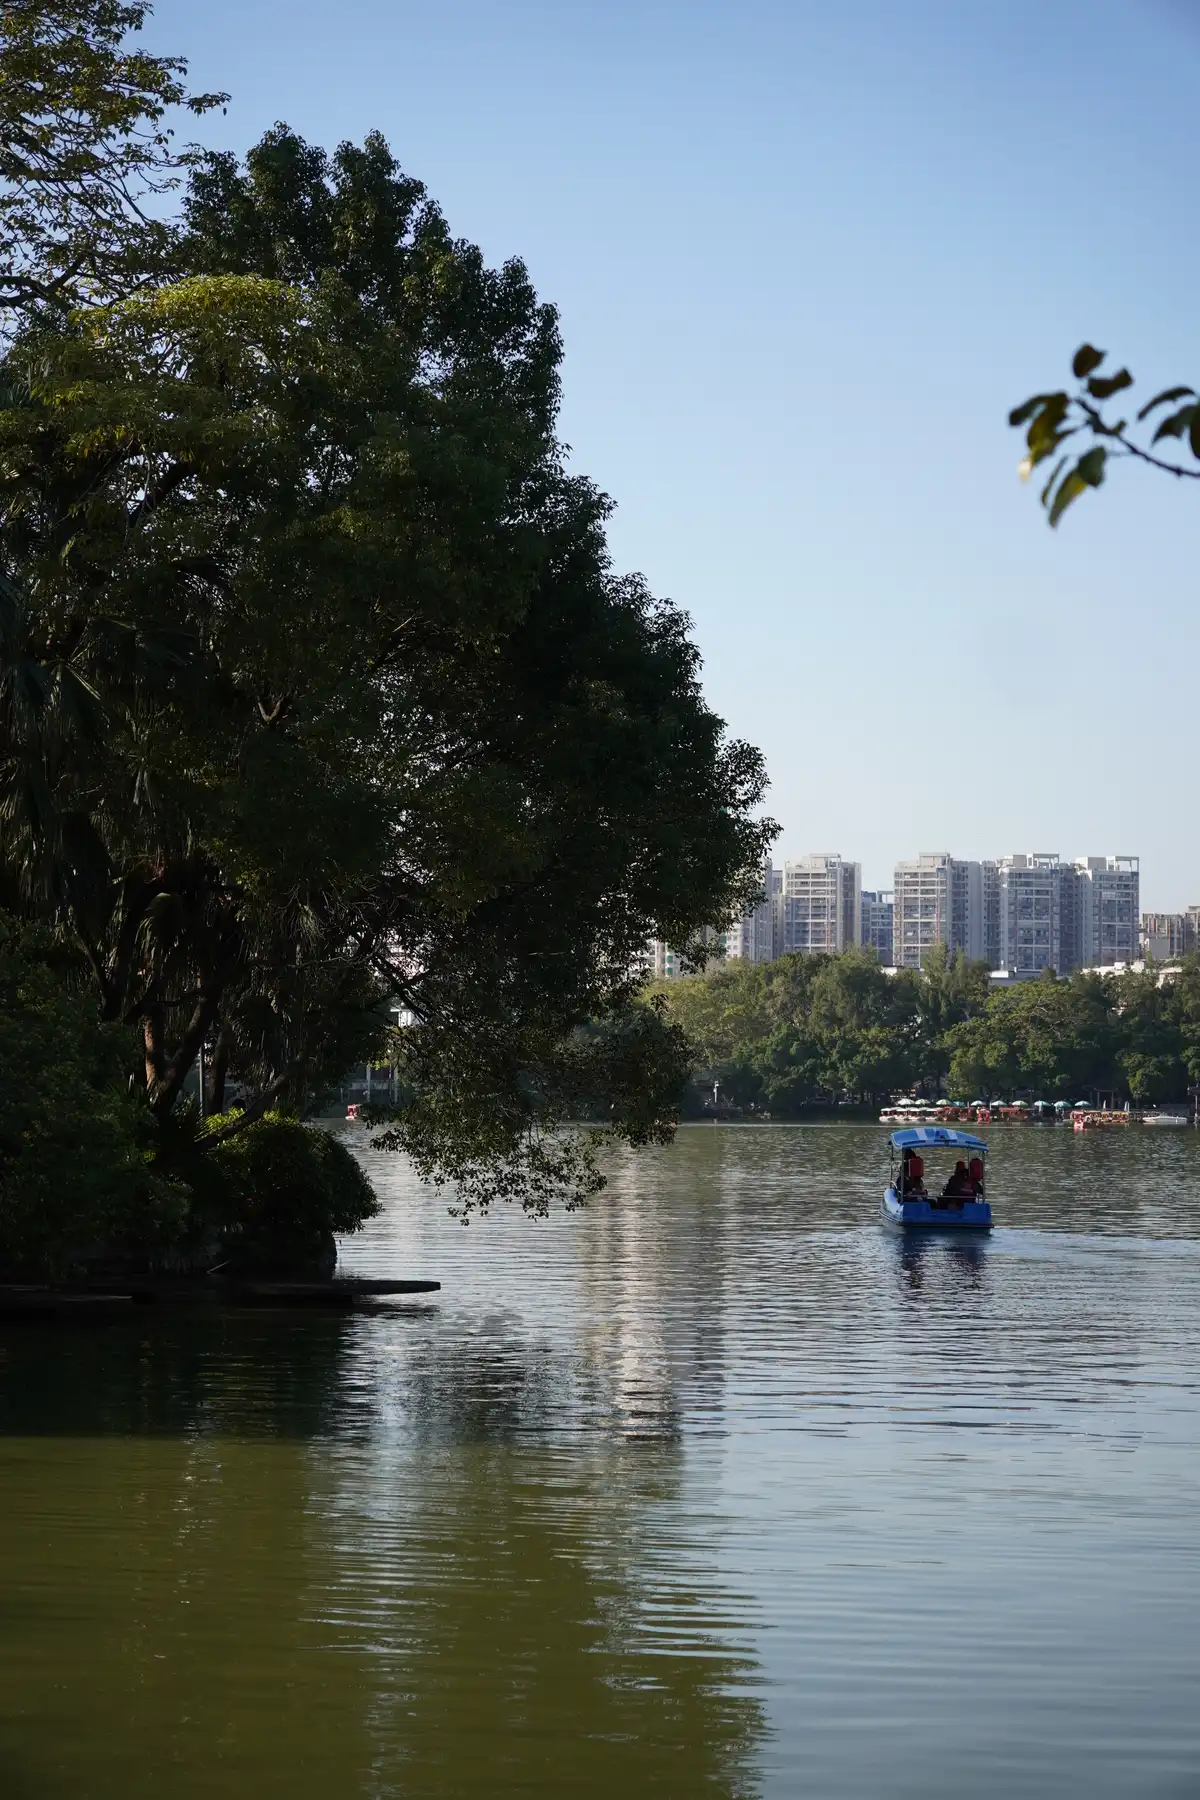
x,y
923,1215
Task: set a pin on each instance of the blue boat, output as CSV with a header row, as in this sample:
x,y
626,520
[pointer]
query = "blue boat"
x,y
911,1205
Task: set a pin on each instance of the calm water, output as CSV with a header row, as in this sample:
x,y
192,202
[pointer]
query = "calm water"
x,y
715,1489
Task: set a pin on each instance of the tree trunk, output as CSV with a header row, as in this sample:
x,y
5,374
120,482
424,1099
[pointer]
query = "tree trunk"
x,y
166,1075
218,1069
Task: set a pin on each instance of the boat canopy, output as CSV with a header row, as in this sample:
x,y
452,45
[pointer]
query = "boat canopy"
x,y
932,1135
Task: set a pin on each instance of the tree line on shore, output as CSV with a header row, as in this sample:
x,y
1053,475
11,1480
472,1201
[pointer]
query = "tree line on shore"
x,y
809,1030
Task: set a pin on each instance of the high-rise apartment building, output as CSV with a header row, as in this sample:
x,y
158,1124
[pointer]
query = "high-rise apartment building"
x,y
1025,912
1071,921
1031,913
1109,895
877,912
1064,915
938,900
989,933
1165,936
759,936
821,904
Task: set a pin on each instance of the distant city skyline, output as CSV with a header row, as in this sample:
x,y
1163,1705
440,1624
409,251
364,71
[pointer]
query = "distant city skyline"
x,y
1031,913
1021,913
875,879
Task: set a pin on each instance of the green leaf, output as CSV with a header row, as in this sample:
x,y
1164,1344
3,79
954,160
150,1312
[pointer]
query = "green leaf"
x,y
1177,424
1090,467
1026,410
1054,475
1103,387
1044,434
1070,490
1088,472
1048,446
1053,409
1175,393
1087,358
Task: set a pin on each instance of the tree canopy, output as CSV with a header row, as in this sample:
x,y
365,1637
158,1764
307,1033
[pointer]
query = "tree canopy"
x,y
318,690
814,1030
806,1029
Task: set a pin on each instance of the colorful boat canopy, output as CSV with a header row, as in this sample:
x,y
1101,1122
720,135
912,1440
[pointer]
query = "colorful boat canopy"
x,y
936,1134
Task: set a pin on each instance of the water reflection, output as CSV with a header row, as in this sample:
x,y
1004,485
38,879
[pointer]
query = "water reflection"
x,y
962,1262
276,1374
718,1488
320,1555
657,1298
540,1625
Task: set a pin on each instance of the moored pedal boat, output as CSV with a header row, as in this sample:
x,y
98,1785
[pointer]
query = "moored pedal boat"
x,y
912,1206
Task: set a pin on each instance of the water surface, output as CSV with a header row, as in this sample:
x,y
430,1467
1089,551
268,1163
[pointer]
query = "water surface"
x,y
717,1488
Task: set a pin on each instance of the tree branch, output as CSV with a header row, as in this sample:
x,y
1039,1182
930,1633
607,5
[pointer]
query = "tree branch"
x,y
276,712
1102,429
166,484
260,1104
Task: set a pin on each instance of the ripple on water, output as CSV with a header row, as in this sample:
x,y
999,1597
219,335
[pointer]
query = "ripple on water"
x,y
716,1488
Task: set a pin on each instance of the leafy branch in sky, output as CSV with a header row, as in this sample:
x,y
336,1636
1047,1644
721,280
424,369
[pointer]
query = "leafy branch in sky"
x,y
86,150
1052,419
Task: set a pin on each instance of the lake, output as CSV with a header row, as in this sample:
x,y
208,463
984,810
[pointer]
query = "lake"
x,y
717,1488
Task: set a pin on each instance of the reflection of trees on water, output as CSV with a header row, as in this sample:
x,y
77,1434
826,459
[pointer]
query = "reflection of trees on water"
x,y
540,1623
544,1617
178,1370
158,1541
354,1556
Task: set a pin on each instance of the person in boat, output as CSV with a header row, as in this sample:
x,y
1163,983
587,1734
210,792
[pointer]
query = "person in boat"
x,y
975,1171
912,1175
960,1185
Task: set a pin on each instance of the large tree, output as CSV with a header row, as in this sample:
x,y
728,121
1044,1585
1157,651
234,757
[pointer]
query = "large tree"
x,y
317,687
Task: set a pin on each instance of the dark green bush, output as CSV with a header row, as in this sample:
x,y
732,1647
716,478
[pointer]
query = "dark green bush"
x,y
278,1192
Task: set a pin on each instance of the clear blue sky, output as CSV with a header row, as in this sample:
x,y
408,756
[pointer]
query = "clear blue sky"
x,y
806,257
